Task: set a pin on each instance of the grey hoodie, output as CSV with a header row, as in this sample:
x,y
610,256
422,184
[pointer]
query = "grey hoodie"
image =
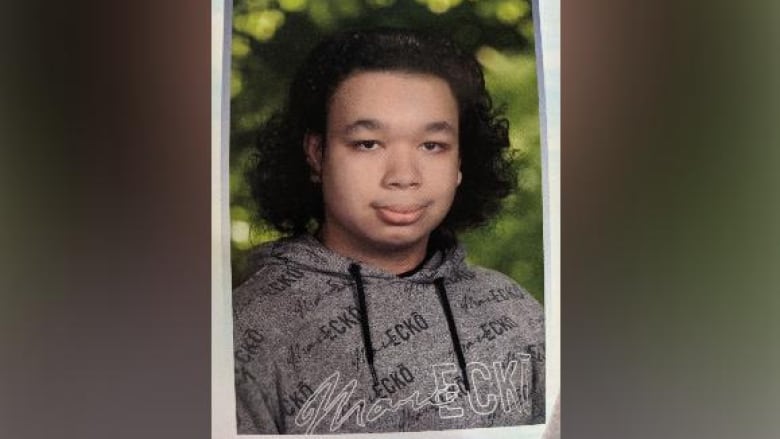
x,y
449,346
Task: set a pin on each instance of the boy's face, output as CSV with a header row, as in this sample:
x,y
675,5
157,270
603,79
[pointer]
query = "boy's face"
x,y
390,166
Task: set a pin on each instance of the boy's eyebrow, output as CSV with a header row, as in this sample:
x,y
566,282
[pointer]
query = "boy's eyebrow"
x,y
435,127
369,124
373,125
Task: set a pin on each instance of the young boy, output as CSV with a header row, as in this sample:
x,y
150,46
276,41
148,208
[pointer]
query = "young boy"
x,y
367,319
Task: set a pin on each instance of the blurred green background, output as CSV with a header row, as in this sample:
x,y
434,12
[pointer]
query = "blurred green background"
x,y
270,39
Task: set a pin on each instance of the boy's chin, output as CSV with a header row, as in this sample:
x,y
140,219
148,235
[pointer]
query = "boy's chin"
x,y
401,241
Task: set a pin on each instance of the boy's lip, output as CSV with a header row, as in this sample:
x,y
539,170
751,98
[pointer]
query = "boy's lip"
x,y
400,214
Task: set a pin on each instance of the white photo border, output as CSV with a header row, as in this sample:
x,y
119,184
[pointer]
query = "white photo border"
x,y
546,17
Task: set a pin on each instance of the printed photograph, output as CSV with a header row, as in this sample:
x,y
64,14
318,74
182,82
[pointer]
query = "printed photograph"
x,y
386,218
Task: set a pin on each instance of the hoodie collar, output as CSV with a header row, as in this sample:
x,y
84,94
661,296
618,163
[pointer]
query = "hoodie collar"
x,y
307,251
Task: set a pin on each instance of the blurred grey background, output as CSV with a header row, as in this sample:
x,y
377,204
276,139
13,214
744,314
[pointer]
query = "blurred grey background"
x,y
669,220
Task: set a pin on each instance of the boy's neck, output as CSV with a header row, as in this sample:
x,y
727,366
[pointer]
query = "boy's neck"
x,y
396,261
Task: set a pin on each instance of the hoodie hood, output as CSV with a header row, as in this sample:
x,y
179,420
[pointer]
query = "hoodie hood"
x,y
311,254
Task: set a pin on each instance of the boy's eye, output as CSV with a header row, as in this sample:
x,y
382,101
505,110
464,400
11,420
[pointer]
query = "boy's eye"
x,y
366,145
432,146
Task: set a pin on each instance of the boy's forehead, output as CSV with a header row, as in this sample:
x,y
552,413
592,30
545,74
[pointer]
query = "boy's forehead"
x,y
371,100
377,78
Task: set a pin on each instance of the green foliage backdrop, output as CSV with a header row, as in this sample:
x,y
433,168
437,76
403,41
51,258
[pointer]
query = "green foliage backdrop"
x,y
270,39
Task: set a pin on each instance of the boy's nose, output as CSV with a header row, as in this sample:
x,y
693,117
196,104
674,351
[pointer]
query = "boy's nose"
x,y
402,170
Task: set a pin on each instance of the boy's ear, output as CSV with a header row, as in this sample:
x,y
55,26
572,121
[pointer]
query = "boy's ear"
x,y
312,147
460,174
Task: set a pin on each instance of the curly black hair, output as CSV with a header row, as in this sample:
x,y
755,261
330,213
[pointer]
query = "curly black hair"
x,y
279,174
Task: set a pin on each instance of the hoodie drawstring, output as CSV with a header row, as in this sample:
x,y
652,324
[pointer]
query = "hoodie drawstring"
x,y
354,270
445,304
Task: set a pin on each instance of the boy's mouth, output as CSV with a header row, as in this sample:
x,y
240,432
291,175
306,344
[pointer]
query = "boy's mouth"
x,y
400,214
